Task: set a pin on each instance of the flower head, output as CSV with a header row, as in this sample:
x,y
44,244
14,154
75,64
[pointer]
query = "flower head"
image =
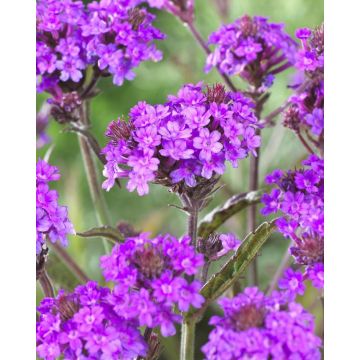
x,y
184,142
253,48
306,111
262,327
51,219
300,200
148,276
73,324
112,36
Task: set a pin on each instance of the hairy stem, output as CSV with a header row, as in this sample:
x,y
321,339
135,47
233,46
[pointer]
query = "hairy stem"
x,y
91,85
188,326
206,49
92,177
187,340
253,185
192,225
46,285
205,271
70,263
251,221
304,142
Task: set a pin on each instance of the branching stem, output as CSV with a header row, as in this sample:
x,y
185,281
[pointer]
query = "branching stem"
x,y
46,285
188,325
70,263
251,222
92,177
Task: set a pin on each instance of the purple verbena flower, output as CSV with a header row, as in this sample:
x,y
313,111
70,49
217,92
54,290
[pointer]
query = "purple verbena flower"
x,y
262,327
253,48
271,202
149,283
306,112
316,274
84,322
112,36
229,242
186,141
52,220
300,200
293,282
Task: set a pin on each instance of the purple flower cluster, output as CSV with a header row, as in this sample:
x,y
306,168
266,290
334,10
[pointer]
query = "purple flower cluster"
x,y
149,283
300,198
255,326
293,283
51,219
306,111
114,36
311,57
252,48
83,325
186,140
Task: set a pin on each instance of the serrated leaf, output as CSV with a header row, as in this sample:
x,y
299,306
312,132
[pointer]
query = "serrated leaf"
x,y
107,232
235,266
219,215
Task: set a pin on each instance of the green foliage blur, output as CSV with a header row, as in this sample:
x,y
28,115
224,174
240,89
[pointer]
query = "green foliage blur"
x,y
183,62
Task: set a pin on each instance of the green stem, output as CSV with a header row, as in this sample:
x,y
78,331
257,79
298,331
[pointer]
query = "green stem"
x,y
97,196
254,185
192,225
251,225
69,262
188,325
46,285
187,340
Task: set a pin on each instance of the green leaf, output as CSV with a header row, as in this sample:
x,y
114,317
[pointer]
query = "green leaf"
x,y
236,265
219,215
107,232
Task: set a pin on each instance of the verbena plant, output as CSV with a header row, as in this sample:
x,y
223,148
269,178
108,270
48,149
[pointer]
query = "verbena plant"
x,y
183,144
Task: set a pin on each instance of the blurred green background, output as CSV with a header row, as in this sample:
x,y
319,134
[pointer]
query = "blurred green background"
x,y
182,62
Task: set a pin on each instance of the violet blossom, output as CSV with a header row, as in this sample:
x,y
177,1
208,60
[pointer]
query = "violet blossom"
x,y
52,220
113,37
306,111
148,274
300,200
292,282
252,48
83,325
184,142
255,326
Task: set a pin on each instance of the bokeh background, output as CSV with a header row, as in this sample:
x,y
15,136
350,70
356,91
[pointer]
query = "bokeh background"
x,y
183,62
